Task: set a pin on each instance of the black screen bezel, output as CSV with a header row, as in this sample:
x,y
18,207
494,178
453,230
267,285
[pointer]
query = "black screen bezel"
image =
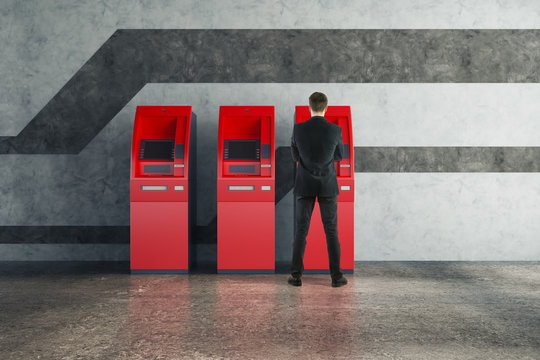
x,y
144,142
227,155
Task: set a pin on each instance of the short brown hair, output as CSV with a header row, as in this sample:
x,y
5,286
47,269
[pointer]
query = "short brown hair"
x,y
318,102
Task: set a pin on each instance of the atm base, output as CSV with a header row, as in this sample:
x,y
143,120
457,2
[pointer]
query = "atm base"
x,y
139,272
246,272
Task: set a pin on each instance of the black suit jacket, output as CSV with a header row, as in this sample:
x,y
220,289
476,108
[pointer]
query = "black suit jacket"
x,y
316,144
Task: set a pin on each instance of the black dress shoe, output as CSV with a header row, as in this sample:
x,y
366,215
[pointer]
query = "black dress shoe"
x,y
339,282
295,281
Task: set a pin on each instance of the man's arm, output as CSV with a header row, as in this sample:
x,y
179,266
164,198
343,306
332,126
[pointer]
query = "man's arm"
x,y
294,149
338,153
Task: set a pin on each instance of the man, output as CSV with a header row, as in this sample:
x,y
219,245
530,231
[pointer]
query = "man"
x,y
315,145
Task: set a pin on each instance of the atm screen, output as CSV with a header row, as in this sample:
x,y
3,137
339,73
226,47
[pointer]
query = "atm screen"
x,y
241,150
156,150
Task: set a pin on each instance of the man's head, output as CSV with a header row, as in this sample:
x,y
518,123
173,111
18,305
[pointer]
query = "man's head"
x,y
318,102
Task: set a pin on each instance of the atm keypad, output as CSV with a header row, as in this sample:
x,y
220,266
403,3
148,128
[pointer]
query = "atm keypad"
x,y
244,169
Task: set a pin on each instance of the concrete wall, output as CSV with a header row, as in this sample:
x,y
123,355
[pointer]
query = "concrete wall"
x,y
63,198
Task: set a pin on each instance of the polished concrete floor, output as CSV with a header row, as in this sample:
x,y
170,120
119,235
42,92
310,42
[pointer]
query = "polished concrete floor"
x,y
435,310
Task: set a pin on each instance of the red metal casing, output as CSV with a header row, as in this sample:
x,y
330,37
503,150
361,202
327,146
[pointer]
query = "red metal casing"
x,y
245,190
316,255
160,189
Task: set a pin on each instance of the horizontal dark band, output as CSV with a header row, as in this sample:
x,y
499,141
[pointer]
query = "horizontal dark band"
x,y
87,234
129,59
33,268
367,159
427,159
421,159
64,234
447,159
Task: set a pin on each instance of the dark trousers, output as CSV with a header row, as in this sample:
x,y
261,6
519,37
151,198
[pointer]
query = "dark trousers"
x,y
304,209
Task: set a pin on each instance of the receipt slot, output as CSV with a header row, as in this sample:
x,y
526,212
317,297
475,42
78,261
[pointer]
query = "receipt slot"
x,y
245,190
162,189
316,255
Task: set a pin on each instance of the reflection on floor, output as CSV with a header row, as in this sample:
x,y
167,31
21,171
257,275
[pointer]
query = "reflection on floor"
x,y
433,310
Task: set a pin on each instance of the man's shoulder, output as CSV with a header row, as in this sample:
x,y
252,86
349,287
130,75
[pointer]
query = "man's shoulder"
x,y
333,128
301,125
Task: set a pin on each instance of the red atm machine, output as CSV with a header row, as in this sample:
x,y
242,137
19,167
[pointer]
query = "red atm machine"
x,y
162,189
245,190
316,255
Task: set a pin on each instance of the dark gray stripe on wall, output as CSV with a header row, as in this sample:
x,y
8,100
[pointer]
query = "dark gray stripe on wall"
x,y
86,234
64,234
422,159
367,159
64,252
447,159
131,58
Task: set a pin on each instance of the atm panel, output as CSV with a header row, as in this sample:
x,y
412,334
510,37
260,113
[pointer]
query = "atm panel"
x,y
245,189
244,241
161,194
155,240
